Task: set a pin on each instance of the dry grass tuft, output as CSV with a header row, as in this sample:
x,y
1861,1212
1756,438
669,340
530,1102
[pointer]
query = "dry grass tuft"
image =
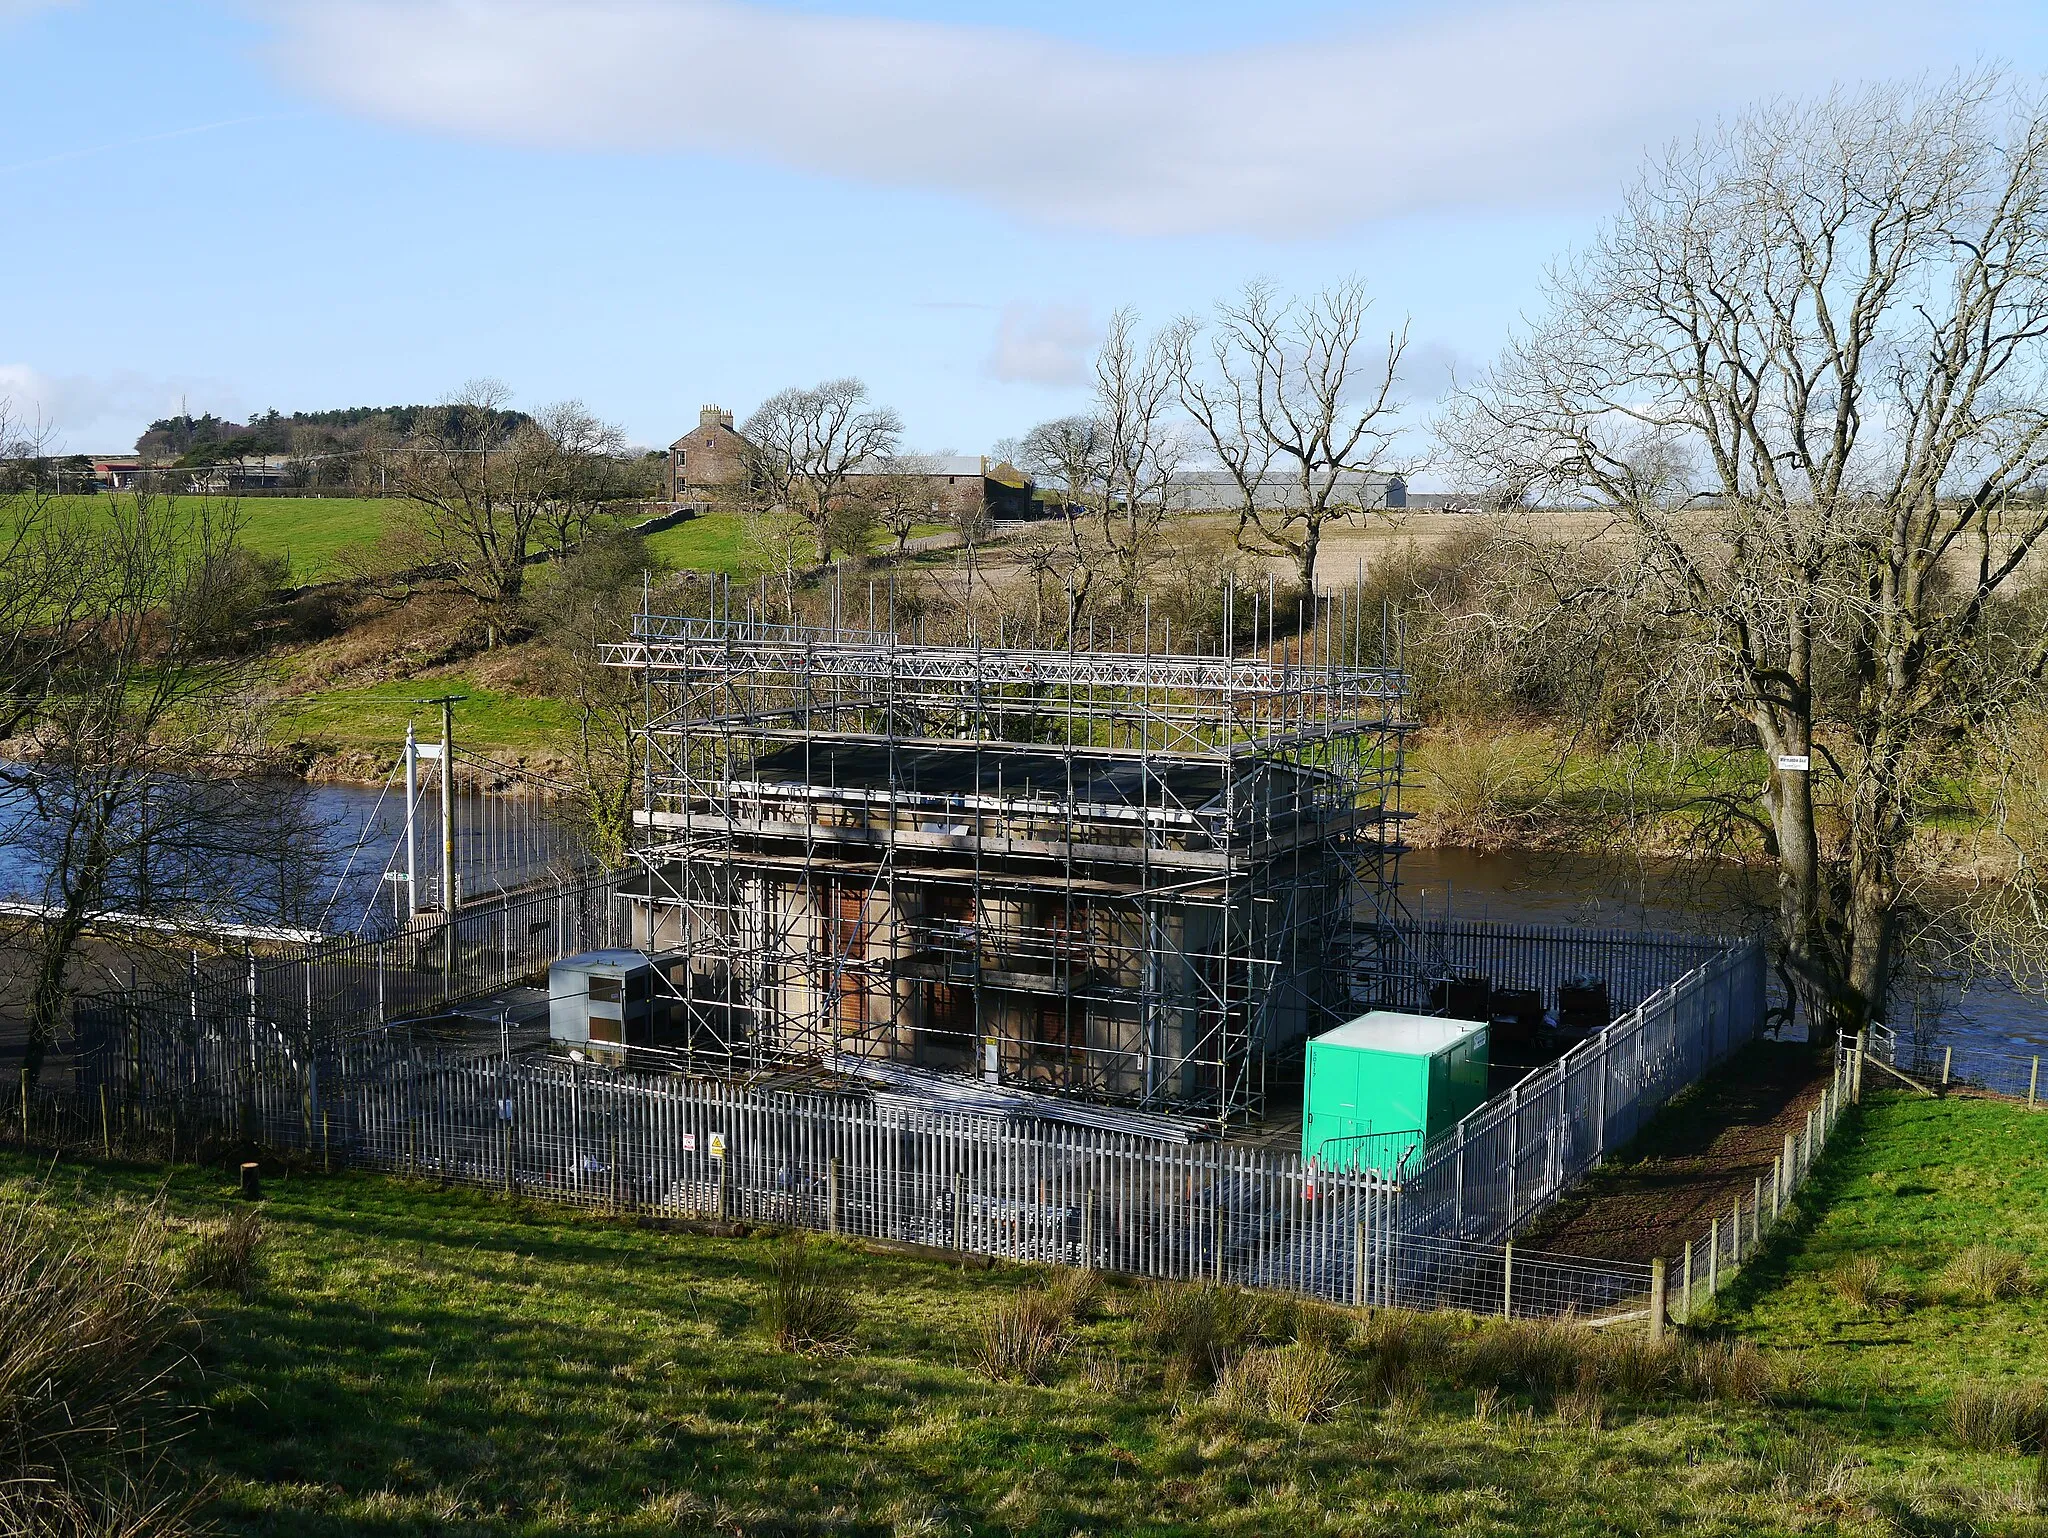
x,y
1865,1282
1200,1328
1301,1383
1991,1418
1984,1273
1025,1335
225,1257
88,1345
809,1310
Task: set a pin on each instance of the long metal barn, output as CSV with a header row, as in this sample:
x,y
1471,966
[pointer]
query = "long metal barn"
x,y
1129,875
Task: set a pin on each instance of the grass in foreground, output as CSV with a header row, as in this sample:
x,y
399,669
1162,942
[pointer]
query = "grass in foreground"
x,y
403,1359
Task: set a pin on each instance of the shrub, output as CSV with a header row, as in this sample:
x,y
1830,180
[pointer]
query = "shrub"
x,y
224,1258
1985,1274
1024,1336
808,1307
1999,1417
1863,1282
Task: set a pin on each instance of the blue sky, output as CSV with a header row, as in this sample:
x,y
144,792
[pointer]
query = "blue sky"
x,y
652,204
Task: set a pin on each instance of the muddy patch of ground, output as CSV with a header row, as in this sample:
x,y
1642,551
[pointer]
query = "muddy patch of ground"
x,y
1709,1146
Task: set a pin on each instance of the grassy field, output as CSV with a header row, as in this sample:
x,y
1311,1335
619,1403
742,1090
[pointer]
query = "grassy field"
x,y
717,542
420,1360
1920,1182
307,530
374,718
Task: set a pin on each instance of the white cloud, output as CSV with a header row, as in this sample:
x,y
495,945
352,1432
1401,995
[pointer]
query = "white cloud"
x,y
1047,344
103,413
1515,105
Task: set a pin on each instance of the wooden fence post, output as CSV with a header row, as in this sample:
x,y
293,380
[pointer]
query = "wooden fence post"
x,y
959,1212
1777,1188
1685,1283
1358,1264
1947,1057
832,1196
2033,1083
1507,1280
1088,1231
1713,1257
1657,1298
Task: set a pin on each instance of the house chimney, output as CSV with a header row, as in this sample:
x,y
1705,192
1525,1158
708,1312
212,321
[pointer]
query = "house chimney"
x,y
711,416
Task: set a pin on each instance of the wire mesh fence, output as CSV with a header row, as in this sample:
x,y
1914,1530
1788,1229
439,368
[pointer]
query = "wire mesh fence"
x,y
626,1140
1938,1065
1518,1153
1711,1260
350,981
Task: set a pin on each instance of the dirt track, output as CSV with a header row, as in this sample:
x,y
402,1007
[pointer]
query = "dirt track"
x,y
1707,1148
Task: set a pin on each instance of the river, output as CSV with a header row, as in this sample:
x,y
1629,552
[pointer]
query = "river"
x,y
325,851
303,855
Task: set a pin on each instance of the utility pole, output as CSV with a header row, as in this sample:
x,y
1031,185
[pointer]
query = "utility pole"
x,y
446,753
412,835
447,703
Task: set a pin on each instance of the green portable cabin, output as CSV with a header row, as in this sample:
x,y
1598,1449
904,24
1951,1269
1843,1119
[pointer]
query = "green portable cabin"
x,y
1382,1083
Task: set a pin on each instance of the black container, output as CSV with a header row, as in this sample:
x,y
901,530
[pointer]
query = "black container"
x,y
1462,998
1517,1016
1583,1004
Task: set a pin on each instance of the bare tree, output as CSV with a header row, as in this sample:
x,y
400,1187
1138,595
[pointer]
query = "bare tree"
x,y
803,445
1806,370
1067,452
1299,413
778,542
901,493
578,464
492,487
1141,447
133,787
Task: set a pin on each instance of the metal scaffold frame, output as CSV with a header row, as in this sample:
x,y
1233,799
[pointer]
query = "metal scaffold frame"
x,y
1135,875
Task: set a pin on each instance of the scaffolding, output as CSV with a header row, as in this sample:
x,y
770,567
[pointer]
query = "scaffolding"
x,y
1134,875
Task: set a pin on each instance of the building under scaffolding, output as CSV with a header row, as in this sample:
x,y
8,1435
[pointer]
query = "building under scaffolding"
x,y
1131,875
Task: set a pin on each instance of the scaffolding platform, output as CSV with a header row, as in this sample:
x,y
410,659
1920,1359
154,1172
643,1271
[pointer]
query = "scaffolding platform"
x,y
1131,876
